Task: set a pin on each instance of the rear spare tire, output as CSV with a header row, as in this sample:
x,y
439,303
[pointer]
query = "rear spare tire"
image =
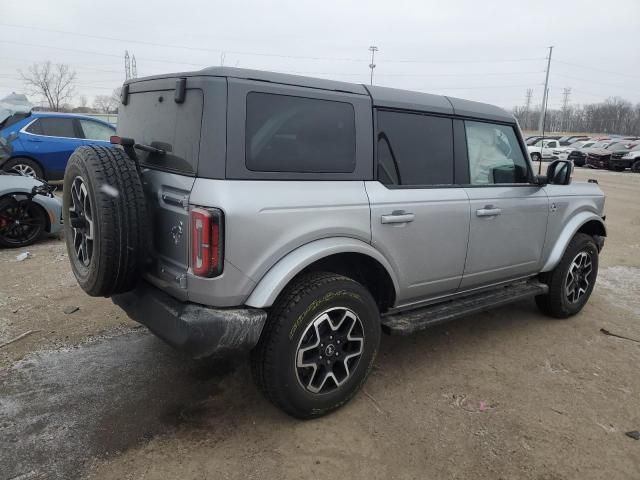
x,y
105,220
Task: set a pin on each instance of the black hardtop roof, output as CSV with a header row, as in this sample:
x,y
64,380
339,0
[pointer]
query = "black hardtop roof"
x,y
381,96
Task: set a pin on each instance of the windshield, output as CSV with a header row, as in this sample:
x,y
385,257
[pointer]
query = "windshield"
x,y
620,146
599,144
578,144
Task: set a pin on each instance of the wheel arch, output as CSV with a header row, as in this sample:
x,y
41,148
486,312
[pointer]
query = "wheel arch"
x,y
583,222
346,256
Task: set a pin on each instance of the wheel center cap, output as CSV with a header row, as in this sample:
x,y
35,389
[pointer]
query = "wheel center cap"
x,y
330,350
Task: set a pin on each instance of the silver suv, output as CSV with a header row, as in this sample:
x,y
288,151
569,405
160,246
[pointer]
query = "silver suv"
x,y
298,218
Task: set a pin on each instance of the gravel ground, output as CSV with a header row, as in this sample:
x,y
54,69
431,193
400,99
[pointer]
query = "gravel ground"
x,y
504,394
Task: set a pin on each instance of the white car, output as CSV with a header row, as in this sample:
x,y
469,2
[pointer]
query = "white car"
x,y
544,149
563,152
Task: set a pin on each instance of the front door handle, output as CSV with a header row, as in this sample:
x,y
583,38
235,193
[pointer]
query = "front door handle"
x,y
398,216
488,211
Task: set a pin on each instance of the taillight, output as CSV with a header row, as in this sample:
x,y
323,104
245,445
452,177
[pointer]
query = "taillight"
x,y
207,243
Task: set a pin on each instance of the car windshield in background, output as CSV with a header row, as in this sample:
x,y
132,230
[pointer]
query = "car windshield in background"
x,y
600,145
620,146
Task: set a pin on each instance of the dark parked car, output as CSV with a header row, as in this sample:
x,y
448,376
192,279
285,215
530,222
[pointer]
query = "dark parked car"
x,y
579,155
43,141
533,140
569,139
599,157
620,160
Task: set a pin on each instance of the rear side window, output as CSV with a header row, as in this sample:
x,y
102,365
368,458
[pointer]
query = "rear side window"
x,y
96,131
414,149
57,127
299,135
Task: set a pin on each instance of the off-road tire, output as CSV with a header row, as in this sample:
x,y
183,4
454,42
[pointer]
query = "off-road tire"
x,y
273,360
635,167
555,303
535,157
27,162
120,233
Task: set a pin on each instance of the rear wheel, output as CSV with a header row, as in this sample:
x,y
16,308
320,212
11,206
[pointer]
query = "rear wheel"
x,y
318,345
535,157
572,281
22,222
24,166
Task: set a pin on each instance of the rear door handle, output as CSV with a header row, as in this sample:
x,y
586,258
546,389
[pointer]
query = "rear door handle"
x,y
488,211
398,216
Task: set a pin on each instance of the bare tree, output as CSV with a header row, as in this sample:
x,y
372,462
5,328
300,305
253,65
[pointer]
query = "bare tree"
x,y
54,82
105,103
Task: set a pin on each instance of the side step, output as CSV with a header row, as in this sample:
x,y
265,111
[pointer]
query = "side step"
x,y
405,323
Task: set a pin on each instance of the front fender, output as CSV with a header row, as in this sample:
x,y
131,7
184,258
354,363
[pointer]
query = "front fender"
x,y
569,230
277,278
53,207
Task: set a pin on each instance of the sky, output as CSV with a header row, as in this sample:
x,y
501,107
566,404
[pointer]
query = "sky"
x,y
489,51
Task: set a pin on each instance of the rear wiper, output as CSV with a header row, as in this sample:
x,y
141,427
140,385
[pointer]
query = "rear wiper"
x,y
130,143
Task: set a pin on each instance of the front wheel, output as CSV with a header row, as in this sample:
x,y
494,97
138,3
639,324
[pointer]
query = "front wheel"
x,y
636,166
318,346
535,157
572,281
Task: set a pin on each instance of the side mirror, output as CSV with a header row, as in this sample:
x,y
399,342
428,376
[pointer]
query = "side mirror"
x,y
559,172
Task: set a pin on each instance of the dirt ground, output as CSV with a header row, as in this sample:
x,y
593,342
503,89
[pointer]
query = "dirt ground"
x,y
500,395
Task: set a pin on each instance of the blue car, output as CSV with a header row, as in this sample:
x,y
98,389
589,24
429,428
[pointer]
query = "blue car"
x,y
40,143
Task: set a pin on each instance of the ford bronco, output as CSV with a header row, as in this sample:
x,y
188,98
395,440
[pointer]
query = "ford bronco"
x,y
298,218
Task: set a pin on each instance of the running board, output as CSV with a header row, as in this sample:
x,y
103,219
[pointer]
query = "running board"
x,y
405,323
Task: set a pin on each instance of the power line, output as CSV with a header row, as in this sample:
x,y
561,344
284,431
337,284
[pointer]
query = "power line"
x,y
263,54
588,80
596,69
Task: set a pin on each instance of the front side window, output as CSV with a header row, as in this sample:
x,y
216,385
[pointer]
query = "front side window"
x,y
58,127
494,154
414,149
299,135
96,131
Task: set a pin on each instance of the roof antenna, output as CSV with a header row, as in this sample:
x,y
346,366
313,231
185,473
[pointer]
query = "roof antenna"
x,y
544,119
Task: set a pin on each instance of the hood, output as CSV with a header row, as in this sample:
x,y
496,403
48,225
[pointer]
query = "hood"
x,y
596,151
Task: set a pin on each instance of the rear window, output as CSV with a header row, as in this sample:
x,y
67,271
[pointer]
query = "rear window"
x,y
299,135
154,118
96,130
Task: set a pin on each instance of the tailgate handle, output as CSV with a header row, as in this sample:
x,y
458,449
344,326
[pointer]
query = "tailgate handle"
x,y
177,201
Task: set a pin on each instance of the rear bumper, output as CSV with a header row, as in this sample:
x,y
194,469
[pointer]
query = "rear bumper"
x,y
195,329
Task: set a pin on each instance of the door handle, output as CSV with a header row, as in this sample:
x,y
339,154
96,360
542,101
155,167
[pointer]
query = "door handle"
x,y
398,216
488,211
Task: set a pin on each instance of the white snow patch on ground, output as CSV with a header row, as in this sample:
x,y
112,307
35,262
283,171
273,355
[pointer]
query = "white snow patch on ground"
x,y
621,286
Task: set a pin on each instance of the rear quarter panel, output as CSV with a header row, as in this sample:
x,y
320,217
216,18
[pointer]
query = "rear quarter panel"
x,y
265,220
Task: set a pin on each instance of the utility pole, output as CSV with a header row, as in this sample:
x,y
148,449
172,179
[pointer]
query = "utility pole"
x,y
527,107
127,65
373,49
543,112
565,107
